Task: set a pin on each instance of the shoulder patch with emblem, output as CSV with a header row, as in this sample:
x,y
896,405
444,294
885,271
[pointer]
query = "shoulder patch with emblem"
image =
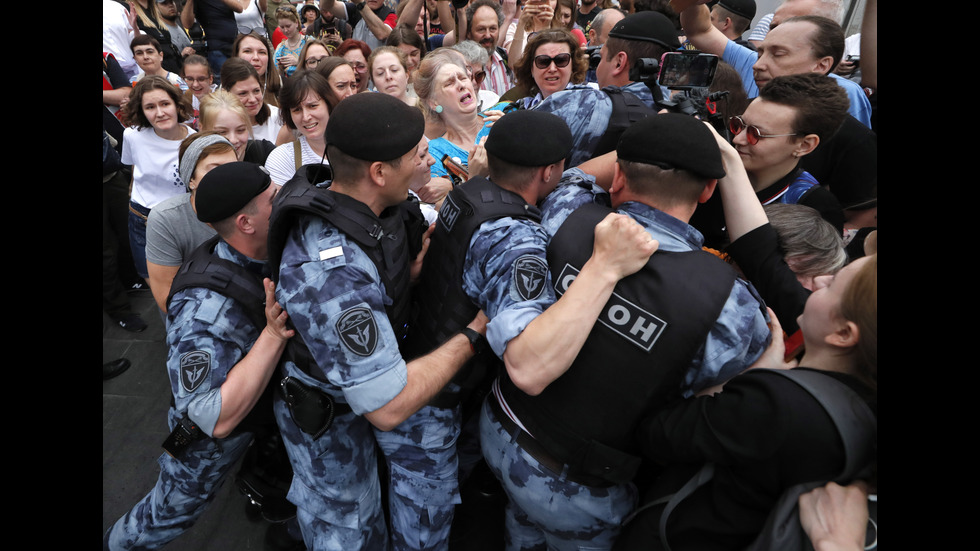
x,y
358,330
194,369
529,276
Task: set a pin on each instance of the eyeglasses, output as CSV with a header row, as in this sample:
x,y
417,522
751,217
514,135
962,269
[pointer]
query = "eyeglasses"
x,y
312,62
752,134
561,60
476,77
358,66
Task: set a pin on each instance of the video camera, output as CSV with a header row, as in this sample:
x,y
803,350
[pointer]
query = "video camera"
x,y
690,72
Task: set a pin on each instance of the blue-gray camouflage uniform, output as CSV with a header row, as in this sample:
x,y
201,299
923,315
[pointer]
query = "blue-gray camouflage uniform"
x,y
547,509
587,112
336,302
506,275
208,334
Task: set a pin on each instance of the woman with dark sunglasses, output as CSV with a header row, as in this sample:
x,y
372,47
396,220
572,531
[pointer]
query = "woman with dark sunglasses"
x,y
552,62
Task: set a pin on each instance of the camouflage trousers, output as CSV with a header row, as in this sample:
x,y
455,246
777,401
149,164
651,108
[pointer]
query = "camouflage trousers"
x,y
424,489
182,493
545,509
335,483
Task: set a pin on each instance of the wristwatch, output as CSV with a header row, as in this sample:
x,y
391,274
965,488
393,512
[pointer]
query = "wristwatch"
x,y
477,341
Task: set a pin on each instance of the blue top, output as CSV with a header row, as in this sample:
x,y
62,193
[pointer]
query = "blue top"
x,y
740,334
441,146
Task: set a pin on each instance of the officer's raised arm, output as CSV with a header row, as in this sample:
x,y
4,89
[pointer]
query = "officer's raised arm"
x,y
549,344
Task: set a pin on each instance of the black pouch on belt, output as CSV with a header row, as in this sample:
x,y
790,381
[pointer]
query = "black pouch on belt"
x,y
312,409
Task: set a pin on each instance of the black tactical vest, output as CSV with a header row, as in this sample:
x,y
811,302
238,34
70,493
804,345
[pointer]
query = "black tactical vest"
x,y
391,241
443,308
633,361
205,269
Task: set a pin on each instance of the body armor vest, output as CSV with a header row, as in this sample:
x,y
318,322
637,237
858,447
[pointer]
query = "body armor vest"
x,y
391,240
443,309
633,361
205,269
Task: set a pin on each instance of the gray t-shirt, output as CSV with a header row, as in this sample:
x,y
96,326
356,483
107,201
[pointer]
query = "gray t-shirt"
x,y
173,231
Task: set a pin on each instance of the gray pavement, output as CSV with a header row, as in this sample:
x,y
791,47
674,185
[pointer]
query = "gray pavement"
x,y
134,424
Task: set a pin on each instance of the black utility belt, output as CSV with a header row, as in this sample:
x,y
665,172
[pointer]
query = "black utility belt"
x,y
312,410
538,452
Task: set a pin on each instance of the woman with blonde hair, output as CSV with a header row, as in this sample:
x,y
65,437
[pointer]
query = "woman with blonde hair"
x,y
222,113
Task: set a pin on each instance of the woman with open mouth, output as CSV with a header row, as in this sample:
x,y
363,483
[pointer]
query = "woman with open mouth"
x,y
448,94
356,53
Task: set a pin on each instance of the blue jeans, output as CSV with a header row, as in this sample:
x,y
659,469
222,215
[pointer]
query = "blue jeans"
x,y
137,236
546,510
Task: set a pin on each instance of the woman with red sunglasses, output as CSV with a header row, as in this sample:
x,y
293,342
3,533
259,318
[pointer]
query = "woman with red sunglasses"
x,y
552,62
788,120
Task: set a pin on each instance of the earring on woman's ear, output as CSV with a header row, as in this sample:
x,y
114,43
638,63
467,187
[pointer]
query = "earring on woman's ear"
x,y
438,109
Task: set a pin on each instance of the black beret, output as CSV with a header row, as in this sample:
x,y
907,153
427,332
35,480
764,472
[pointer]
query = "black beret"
x,y
744,8
529,138
670,141
647,26
228,188
375,127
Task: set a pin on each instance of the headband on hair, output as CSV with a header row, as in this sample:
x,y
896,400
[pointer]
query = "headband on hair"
x,y
189,162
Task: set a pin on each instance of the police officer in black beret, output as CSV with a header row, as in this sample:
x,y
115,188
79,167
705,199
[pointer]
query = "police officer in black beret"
x,y
226,334
344,253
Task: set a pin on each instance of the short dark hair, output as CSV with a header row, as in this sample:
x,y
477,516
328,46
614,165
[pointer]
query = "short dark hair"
x,y
522,68
347,168
634,49
145,40
739,23
294,92
820,103
826,40
133,111
235,70
477,4
670,187
510,175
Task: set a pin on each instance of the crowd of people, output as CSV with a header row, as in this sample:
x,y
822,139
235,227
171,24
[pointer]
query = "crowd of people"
x,y
410,241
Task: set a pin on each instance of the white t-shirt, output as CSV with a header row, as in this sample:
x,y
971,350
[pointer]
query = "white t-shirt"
x,y
269,130
281,163
156,174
